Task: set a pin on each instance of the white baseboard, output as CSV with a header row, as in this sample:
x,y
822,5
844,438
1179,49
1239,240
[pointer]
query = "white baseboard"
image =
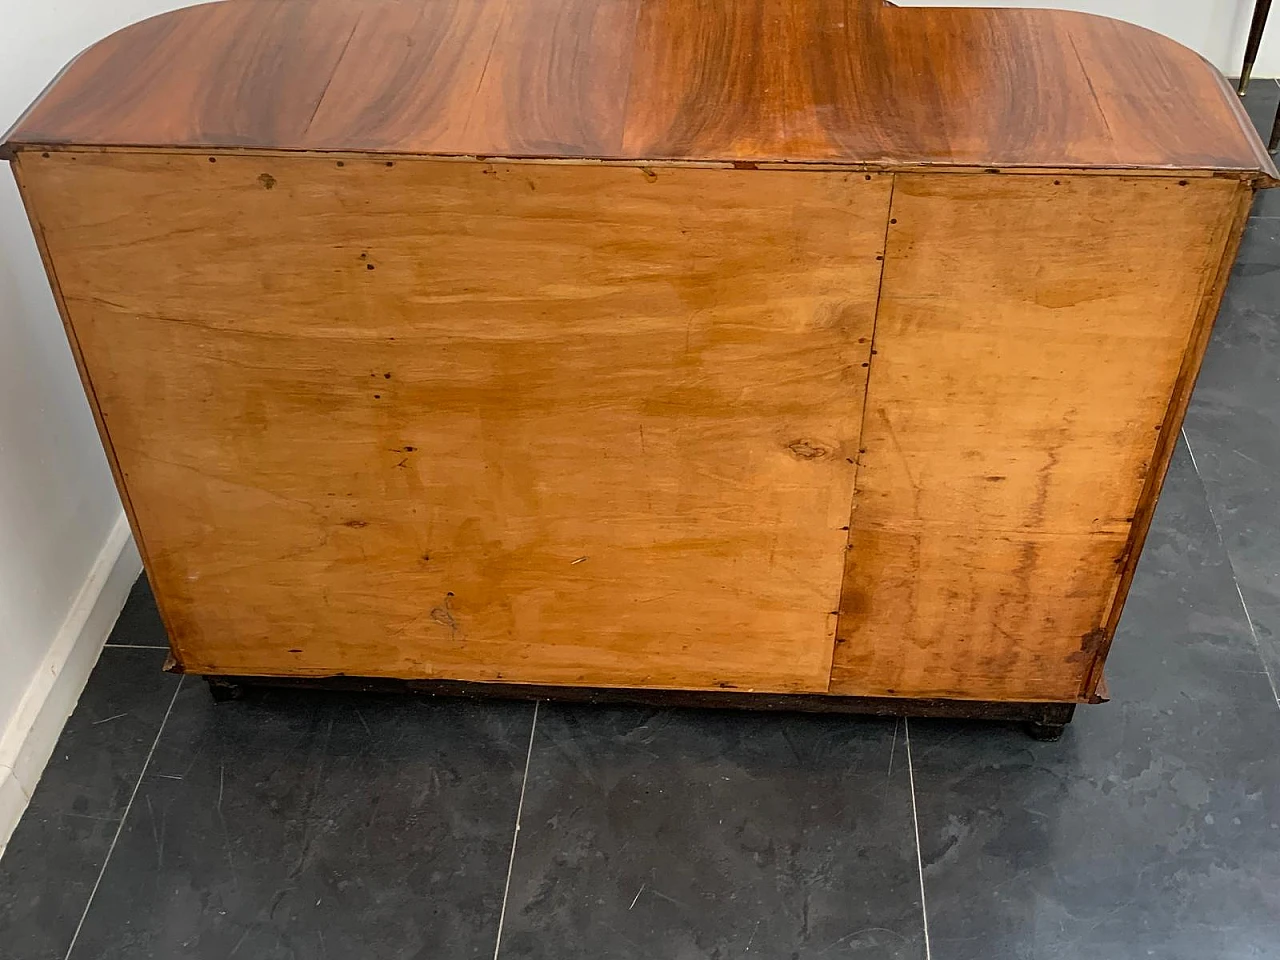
x,y
28,739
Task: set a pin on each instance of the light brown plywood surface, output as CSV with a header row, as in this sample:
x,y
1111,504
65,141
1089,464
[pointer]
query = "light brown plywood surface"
x,y
564,424
1029,334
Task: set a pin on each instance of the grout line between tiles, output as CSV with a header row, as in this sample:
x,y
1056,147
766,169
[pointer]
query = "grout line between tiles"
x,y
1249,617
1257,644
506,890
1196,467
915,822
123,817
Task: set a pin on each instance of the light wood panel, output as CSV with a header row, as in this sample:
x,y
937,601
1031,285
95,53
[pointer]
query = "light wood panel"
x,y
553,423
1094,687
1029,335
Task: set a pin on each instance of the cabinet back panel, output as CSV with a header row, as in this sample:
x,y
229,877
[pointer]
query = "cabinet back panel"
x,y
1030,334
545,423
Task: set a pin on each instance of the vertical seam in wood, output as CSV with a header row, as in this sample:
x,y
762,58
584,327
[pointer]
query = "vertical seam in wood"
x,y
73,341
1170,429
631,80
333,73
501,21
1088,82
862,427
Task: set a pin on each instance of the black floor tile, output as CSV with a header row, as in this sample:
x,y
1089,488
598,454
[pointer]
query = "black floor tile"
x,y
307,824
680,834
1233,427
139,622
1261,103
57,850
1153,828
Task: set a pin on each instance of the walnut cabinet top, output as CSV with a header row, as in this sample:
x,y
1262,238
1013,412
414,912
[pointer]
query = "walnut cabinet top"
x,y
790,81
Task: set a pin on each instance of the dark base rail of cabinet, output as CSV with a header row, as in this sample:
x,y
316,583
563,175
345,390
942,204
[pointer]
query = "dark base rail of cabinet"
x,y
1042,721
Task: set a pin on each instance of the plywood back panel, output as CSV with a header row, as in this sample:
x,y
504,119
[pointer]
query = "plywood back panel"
x,y
544,423
1030,333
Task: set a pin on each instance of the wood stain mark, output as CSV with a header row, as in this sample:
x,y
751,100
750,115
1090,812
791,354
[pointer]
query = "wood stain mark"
x,y
443,615
1091,644
808,450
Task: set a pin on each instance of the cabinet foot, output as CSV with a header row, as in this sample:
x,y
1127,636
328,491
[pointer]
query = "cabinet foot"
x,y
223,690
1039,730
1050,721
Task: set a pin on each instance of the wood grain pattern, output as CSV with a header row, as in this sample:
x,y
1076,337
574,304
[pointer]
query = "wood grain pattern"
x,y
851,81
534,423
1029,333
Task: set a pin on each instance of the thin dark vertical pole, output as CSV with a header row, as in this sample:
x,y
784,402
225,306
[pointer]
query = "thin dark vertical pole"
x,y
1260,11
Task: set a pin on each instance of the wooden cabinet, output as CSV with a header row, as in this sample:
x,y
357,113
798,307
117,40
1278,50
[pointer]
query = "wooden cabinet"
x,y
773,347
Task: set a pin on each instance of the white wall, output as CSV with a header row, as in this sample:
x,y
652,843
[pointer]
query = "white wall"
x,y
58,506
1216,28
